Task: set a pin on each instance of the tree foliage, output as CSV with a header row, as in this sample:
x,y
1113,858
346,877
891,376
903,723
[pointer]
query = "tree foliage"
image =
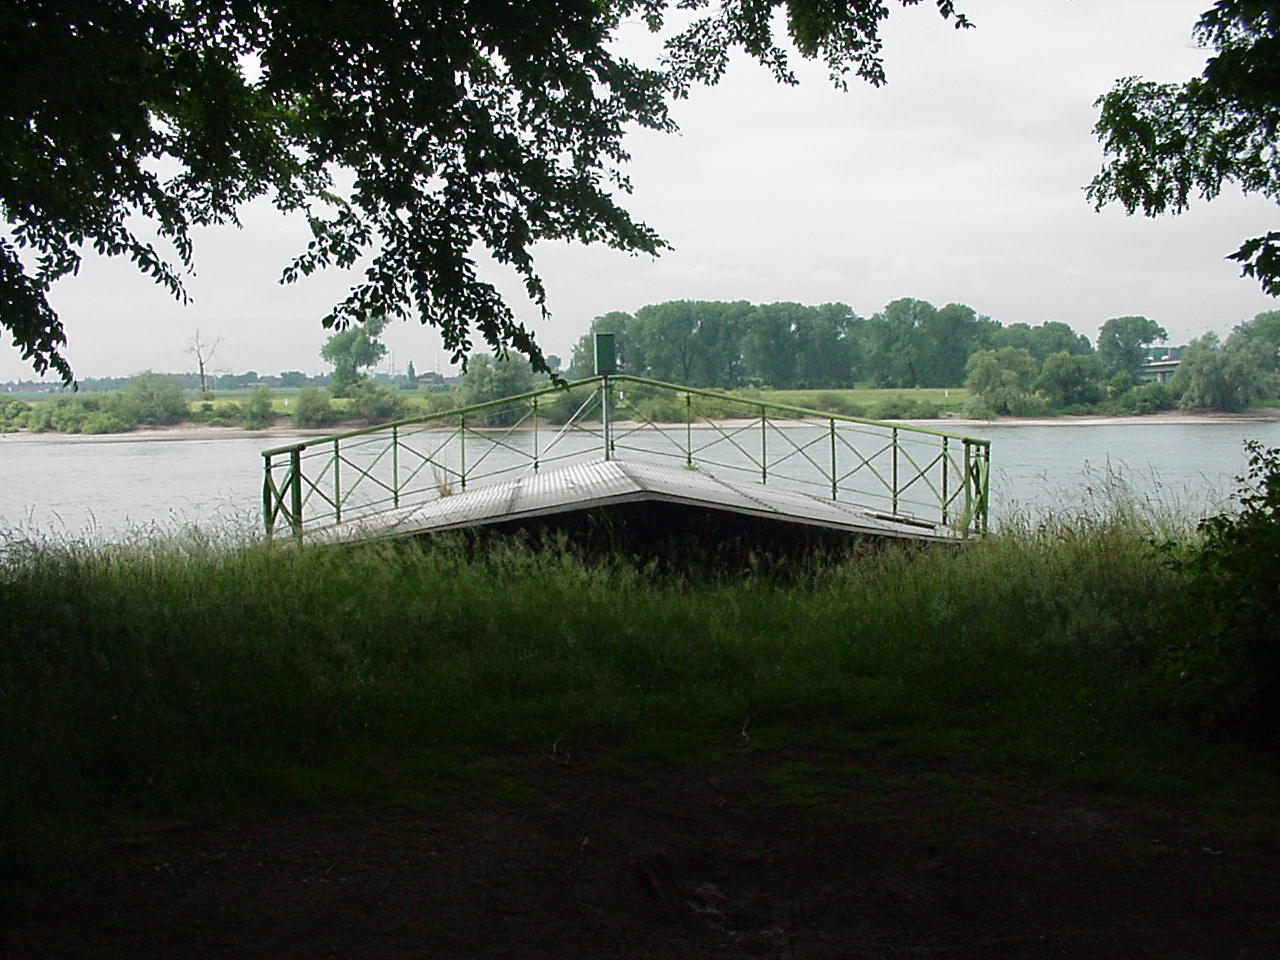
x,y
352,350
1263,331
685,341
1003,378
1224,666
496,378
374,403
731,344
412,136
1122,342
912,343
1166,143
1042,342
1215,376
13,413
256,412
1023,369
1070,379
312,408
895,342
151,398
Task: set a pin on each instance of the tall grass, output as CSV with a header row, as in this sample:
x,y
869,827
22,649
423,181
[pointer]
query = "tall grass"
x,y
159,674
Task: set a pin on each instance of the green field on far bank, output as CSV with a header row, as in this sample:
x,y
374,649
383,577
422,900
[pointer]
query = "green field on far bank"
x,y
67,412
150,400
886,403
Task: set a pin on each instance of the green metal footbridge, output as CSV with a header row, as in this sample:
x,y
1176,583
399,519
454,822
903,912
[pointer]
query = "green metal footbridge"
x,y
624,437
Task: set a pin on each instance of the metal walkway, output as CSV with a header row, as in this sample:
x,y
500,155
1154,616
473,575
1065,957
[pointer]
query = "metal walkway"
x,y
616,439
607,484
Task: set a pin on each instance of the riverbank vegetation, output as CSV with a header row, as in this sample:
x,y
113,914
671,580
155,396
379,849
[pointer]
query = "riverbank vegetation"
x,y
171,675
370,402
909,361
1015,369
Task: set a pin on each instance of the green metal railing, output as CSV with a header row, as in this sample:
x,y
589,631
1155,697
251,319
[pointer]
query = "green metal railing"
x,y
901,470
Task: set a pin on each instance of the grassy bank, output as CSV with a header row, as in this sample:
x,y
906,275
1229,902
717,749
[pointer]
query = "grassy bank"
x,y
876,403
105,413
165,676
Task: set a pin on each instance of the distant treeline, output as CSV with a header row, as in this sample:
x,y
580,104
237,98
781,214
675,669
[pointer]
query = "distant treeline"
x,y
1016,368
790,346
224,383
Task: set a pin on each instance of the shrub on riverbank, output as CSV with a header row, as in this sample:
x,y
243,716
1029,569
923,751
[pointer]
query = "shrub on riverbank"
x,y
150,399
224,414
313,408
147,400
76,415
1223,667
374,403
13,414
256,412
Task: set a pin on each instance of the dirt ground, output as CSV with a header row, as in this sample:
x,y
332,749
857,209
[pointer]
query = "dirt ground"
x,y
773,856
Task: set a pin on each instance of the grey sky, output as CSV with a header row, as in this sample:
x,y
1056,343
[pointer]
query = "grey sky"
x,y
962,180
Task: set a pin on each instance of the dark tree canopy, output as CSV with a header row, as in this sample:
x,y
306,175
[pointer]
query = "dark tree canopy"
x,y
1122,342
911,343
1166,143
1043,341
1067,379
1264,330
415,137
352,350
716,344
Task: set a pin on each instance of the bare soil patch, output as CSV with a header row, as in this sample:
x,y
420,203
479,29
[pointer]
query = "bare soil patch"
x,y
757,855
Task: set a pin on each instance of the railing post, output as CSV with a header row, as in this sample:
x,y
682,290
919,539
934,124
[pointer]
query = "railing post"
x,y
894,511
945,450
268,515
462,450
764,454
395,466
968,487
535,434
984,488
337,486
688,429
295,468
833,458
604,415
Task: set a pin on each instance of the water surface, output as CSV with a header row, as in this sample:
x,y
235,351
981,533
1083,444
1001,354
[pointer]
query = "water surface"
x,y
105,488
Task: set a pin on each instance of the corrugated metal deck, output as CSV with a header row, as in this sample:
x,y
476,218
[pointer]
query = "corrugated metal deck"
x,y
592,486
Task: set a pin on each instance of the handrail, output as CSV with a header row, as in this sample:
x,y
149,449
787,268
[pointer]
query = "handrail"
x,y
899,470
787,408
426,417
620,378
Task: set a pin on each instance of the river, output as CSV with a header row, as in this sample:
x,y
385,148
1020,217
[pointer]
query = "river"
x,y
107,488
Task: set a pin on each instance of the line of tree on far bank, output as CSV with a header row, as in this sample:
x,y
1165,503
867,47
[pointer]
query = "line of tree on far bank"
x,y
157,400
224,383
1018,368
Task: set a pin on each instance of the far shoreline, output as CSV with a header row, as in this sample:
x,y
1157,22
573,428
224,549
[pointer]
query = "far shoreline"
x,y
194,431
1167,417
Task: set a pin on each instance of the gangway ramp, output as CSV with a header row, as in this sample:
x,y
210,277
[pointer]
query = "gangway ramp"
x,y
668,497
618,443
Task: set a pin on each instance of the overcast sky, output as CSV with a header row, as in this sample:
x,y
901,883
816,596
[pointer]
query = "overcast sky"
x,y
961,180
